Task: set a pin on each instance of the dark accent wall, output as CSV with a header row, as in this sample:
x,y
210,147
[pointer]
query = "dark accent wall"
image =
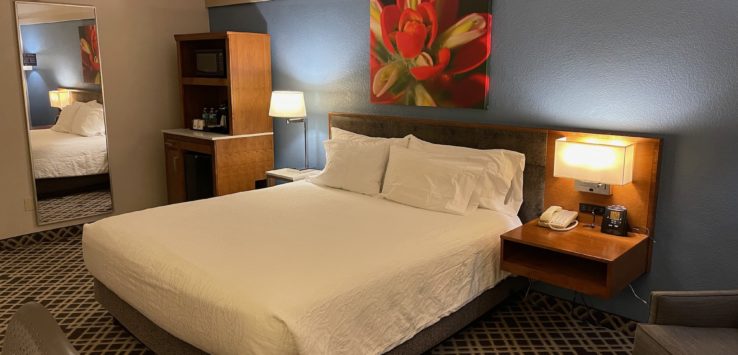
x,y
59,65
658,67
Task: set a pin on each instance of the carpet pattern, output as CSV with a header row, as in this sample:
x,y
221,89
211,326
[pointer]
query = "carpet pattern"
x,y
49,269
74,206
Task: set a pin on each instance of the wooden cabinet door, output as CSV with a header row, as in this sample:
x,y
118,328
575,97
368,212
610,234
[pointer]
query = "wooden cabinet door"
x,y
175,173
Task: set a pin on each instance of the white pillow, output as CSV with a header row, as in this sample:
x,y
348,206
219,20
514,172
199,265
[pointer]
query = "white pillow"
x,y
500,170
354,166
431,181
66,118
100,111
89,121
344,135
514,198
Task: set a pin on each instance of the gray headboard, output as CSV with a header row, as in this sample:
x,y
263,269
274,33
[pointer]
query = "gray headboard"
x,y
86,95
531,142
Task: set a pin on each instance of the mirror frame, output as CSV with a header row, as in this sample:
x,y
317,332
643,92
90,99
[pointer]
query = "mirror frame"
x,y
28,112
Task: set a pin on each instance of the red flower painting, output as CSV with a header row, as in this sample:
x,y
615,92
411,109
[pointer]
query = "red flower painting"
x,y
90,54
430,52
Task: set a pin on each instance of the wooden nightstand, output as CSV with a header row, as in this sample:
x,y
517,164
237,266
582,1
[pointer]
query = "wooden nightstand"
x,y
289,175
583,259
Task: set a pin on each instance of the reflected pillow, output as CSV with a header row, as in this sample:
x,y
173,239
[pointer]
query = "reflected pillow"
x,y
66,118
89,121
344,135
354,166
431,181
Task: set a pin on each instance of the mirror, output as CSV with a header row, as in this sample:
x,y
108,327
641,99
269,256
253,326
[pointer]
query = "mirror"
x,y
65,112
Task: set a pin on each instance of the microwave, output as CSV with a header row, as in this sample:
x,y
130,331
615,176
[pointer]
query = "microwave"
x,y
210,62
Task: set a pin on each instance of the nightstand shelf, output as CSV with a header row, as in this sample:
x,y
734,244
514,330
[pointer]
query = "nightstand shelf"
x,y
583,259
286,175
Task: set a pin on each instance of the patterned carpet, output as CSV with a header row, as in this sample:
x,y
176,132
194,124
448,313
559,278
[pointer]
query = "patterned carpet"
x,y
48,268
74,206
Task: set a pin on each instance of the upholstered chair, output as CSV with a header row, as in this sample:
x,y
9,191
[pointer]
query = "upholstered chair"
x,y
695,322
33,330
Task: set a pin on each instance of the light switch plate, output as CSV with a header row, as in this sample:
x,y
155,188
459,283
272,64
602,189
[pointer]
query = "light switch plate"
x,y
592,187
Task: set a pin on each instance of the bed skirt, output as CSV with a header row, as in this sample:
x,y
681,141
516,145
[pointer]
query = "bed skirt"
x,y
162,342
57,187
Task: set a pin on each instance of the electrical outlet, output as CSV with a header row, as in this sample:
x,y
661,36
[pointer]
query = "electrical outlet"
x,y
28,205
592,187
588,208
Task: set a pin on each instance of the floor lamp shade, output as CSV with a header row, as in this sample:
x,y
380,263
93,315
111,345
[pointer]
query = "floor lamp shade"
x,y
291,106
287,104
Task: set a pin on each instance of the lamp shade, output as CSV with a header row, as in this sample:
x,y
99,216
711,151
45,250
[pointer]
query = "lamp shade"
x,y
60,98
599,162
287,104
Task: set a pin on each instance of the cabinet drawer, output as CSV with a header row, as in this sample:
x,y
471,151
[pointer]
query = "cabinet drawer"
x,y
188,144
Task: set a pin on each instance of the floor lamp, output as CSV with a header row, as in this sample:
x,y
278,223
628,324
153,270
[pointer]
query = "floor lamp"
x,y
291,106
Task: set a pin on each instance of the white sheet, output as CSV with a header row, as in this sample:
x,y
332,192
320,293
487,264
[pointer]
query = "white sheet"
x,y
296,268
58,154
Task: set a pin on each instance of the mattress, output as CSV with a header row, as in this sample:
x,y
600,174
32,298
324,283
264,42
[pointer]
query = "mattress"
x,y
58,154
296,268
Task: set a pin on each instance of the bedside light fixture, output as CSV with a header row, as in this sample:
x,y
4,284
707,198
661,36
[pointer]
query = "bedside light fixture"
x,y
290,105
594,164
29,61
60,98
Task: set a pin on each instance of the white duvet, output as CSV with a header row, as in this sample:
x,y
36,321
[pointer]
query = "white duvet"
x,y
58,154
296,268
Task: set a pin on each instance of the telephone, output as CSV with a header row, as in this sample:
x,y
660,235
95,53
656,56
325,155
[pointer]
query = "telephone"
x,y
558,219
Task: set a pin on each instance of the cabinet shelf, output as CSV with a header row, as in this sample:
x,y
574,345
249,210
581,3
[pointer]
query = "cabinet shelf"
x,y
204,81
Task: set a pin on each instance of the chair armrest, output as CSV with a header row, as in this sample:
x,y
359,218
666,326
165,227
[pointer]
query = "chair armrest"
x,y
709,309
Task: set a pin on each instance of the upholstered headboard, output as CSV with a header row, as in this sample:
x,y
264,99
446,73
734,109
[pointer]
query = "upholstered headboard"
x,y
86,95
531,142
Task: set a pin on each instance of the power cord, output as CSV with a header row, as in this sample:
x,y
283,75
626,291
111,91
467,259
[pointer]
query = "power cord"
x,y
530,285
636,295
645,231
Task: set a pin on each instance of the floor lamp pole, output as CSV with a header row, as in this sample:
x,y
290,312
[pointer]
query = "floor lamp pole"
x,y
305,130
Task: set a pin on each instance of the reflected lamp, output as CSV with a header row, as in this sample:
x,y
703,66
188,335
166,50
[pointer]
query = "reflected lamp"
x,y
60,98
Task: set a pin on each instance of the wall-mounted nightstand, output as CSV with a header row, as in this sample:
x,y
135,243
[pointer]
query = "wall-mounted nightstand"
x,y
289,175
583,259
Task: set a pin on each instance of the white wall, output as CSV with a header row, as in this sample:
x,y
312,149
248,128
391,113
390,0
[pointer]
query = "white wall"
x,y
139,57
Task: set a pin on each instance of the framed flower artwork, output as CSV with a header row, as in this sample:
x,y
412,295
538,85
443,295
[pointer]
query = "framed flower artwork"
x,y
430,52
90,54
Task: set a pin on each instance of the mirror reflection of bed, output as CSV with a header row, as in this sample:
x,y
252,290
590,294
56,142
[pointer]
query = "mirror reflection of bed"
x,y
70,166
65,111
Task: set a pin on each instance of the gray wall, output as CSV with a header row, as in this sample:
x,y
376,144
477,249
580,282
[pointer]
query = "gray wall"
x,y
657,67
59,65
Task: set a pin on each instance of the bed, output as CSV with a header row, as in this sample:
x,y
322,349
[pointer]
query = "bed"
x,y
65,163
58,155
306,269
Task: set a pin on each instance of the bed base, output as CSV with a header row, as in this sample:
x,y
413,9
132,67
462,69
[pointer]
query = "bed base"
x,y
57,187
162,342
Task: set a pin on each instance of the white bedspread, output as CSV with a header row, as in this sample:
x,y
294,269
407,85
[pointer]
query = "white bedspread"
x,y
65,155
296,268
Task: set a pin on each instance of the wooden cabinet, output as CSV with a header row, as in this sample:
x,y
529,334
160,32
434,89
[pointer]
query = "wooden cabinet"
x,y
583,259
239,158
246,87
239,163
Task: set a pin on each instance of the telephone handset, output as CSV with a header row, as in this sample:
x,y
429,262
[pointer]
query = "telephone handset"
x,y
558,219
